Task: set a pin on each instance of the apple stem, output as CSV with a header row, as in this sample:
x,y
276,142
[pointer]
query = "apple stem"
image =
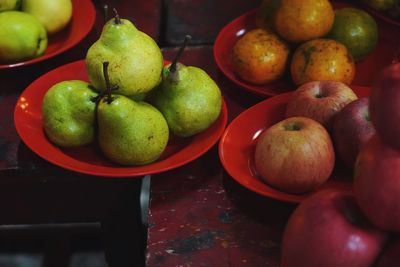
x,y
172,68
292,127
117,19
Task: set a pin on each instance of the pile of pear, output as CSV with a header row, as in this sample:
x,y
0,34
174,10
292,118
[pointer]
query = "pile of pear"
x,y
132,103
26,26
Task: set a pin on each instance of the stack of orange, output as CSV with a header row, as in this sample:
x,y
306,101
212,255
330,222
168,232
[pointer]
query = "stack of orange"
x,y
308,38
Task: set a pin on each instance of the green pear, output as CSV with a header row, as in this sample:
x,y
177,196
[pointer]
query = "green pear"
x,y
22,37
53,14
138,97
130,132
135,59
6,5
188,98
69,113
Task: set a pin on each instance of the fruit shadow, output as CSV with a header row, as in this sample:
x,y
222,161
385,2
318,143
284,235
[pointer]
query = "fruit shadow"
x,y
257,222
31,166
92,153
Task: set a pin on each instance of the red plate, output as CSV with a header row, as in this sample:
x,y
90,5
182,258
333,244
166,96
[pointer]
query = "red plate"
x,y
236,147
223,47
88,159
366,69
82,21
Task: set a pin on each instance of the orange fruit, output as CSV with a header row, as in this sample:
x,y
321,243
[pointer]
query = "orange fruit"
x,y
302,20
259,56
356,29
321,60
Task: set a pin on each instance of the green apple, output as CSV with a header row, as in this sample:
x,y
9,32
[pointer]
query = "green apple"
x,y
356,29
22,37
53,14
9,5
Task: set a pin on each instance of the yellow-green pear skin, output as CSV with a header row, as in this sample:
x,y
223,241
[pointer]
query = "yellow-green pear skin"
x,y
53,14
189,99
6,5
131,133
22,37
135,59
69,114
139,97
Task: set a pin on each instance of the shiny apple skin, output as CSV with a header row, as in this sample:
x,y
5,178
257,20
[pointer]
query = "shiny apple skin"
x,y
320,100
385,105
295,161
352,127
377,183
328,229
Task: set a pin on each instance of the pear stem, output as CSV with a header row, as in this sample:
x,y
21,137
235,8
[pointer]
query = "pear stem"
x,y
172,68
117,18
105,12
108,96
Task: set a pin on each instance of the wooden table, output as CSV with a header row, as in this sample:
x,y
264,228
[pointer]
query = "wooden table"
x,y
198,215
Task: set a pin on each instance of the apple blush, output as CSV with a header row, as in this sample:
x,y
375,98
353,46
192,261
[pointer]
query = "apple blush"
x,y
352,127
385,105
320,100
328,229
377,183
295,155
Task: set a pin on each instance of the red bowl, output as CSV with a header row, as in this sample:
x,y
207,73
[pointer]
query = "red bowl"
x,y
366,70
82,21
236,147
89,159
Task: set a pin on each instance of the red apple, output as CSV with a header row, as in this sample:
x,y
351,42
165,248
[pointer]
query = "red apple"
x,y
328,229
352,127
295,155
320,100
385,105
377,183
391,255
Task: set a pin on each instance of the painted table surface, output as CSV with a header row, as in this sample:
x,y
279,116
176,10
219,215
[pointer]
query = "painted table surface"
x,y
198,215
